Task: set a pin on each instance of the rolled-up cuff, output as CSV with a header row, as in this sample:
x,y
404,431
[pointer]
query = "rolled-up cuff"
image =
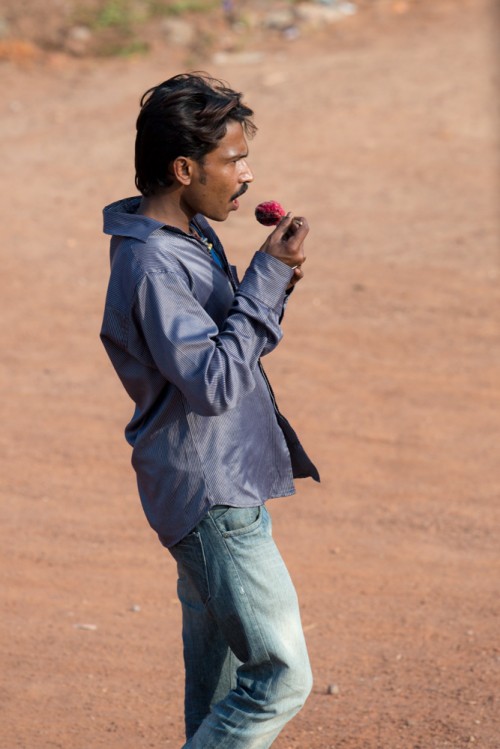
x,y
266,280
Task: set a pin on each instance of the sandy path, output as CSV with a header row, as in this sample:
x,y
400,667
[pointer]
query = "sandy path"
x,y
385,137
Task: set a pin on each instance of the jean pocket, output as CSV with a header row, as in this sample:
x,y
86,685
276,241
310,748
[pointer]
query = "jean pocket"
x,y
236,521
192,585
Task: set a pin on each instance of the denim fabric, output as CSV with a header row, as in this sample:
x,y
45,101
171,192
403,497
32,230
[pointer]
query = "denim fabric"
x,y
186,338
247,668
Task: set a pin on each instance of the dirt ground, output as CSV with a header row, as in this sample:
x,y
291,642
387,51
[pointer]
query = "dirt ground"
x,y
383,132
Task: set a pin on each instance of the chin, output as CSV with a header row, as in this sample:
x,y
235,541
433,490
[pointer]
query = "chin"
x,y
217,216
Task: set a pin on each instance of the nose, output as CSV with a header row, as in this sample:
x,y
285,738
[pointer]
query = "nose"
x,y
246,174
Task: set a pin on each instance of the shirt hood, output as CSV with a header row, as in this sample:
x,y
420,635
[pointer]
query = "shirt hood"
x,y
121,219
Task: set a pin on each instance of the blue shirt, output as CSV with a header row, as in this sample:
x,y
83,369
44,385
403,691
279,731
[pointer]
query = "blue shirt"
x,y
185,338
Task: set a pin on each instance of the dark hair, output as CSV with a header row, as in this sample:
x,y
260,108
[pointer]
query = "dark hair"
x,y
186,115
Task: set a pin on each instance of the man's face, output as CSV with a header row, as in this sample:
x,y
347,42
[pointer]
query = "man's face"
x,y
221,177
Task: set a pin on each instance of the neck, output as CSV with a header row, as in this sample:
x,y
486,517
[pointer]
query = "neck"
x,y
166,208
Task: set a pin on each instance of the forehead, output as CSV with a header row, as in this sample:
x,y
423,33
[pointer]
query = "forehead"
x,y
232,144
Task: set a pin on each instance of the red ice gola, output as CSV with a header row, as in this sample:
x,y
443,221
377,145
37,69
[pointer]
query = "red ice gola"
x,y
269,213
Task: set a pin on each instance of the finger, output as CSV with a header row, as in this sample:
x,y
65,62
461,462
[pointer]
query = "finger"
x,y
298,230
298,274
297,223
283,226
300,221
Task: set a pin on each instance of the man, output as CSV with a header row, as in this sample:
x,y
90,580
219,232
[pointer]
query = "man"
x,y
209,444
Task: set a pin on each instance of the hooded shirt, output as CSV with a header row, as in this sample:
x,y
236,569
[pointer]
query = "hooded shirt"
x,y
186,338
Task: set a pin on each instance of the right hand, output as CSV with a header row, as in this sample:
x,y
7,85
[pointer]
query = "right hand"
x,y
286,242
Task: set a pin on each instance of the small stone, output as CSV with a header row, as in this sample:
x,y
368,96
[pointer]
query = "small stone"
x,y
333,689
135,607
78,40
291,33
4,28
237,58
89,627
275,78
279,19
178,32
319,15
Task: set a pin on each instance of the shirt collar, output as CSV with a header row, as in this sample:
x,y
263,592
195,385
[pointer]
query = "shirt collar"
x,y
121,219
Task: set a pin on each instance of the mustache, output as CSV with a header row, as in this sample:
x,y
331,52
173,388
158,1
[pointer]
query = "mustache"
x,y
241,192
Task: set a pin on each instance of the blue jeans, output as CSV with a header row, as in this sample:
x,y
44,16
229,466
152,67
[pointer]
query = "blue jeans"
x,y
247,668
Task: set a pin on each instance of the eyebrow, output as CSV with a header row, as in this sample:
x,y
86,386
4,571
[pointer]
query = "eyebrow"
x,y
237,156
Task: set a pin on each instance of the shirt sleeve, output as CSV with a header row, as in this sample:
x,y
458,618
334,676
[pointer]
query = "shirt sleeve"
x,y
213,367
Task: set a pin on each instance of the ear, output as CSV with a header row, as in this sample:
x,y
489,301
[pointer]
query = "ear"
x,y
182,168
